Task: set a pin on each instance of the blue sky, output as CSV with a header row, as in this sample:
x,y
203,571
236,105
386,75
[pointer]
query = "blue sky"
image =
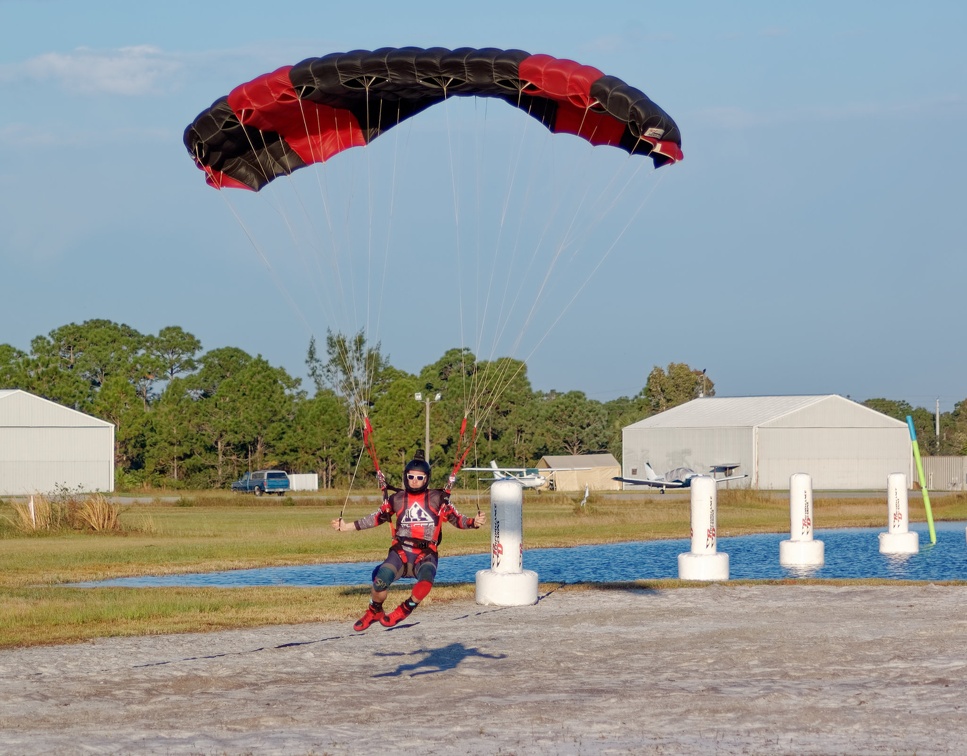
x,y
812,241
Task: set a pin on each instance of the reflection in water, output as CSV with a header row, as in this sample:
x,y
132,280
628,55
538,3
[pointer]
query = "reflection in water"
x,y
849,554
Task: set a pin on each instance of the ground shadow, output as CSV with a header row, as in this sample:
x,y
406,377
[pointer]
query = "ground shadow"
x,y
436,660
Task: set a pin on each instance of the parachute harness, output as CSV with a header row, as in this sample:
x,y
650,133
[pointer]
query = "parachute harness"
x,y
463,449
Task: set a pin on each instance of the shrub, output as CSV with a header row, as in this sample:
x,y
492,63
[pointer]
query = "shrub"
x,y
67,511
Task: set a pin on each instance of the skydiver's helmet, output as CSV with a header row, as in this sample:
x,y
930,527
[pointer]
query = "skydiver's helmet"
x,y
414,468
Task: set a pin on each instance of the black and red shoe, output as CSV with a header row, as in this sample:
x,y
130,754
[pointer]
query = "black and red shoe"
x,y
396,616
371,616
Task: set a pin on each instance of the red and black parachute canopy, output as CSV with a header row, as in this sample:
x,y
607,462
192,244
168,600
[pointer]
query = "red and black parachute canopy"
x,y
307,113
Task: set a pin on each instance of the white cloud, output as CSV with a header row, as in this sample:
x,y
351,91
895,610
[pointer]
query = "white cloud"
x,y
127,71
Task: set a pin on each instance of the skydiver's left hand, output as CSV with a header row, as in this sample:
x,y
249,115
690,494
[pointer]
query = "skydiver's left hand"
x,y
480,520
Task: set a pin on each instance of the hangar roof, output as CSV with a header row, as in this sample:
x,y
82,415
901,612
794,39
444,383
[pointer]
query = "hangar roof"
x,y
579,460
20,409
753,411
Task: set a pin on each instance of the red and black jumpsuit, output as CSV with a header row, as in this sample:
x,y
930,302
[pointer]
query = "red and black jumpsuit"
x,y
419,520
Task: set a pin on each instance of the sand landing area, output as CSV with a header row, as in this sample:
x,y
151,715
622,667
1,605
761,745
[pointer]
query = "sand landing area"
x,y
725,669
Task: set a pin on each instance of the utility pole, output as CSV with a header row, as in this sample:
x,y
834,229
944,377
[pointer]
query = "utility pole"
x,y
419,397
937,424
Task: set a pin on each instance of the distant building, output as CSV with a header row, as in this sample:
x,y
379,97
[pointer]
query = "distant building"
x,y
303,481
45,446
597,475
943,473
842,445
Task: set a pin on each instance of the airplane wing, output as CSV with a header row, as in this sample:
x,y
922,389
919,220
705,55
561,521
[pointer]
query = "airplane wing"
x,y
652,483
731,477
499,469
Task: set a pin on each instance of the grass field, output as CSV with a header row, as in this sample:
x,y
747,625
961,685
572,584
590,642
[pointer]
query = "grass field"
x,y
211,531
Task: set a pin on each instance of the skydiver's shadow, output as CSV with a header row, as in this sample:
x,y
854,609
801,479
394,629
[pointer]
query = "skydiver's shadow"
x,y
436,660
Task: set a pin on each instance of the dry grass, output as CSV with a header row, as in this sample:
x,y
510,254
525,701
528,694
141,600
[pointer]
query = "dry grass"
x,y
46,515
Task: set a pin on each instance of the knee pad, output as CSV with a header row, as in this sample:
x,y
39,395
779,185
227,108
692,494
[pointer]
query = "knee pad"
x,y
421,589
383,577
426,572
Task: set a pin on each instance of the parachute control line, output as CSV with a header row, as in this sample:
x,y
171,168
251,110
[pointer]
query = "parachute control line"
x,y
506,583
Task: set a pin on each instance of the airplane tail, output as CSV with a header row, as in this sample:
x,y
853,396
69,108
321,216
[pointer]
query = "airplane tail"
x,y
650,474
498,475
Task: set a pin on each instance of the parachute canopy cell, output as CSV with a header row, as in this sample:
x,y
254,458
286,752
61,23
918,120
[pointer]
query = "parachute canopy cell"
x,y
298,115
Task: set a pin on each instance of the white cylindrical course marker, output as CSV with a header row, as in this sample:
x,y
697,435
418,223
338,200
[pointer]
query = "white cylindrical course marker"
x,y
899,539
703,562
506,583
801,550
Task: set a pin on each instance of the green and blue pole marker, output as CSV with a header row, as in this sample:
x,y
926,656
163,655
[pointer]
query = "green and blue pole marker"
x,y
923,482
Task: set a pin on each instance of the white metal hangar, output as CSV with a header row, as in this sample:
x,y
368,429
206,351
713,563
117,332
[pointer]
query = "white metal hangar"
x,y
842,445
45,446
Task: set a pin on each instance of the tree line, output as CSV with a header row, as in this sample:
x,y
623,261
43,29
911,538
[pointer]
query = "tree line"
x,y
189,418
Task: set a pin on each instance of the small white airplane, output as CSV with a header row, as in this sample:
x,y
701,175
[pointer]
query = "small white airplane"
x,y
528,477
680,477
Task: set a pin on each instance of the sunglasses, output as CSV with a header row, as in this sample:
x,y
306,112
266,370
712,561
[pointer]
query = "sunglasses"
x,y
411,476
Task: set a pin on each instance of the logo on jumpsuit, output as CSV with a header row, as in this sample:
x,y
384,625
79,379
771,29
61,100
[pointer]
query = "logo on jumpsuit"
x,y
416,515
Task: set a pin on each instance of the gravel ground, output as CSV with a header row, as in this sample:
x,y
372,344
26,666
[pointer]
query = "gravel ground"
x,y
790,669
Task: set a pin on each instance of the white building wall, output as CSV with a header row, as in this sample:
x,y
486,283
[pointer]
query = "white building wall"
x,y
697,448
835,458
45,447
943,473
303,481
41,460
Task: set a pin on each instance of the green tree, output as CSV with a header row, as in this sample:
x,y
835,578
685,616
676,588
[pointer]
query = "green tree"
x,y
263,397
956,434
454,377
216,415
171,438
678,385
12,361
571,424
315,440
46,377
356,373
175,350
399,426
503,408
93,350
117,402
622,412
895,409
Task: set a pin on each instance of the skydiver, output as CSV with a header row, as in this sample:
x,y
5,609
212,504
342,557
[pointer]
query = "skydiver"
x,y
420,512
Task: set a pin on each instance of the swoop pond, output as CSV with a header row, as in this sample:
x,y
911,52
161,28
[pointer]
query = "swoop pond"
x,y
850,553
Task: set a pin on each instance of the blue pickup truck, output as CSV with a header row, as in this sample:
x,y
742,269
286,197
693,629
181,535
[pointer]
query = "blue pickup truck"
x,y
263,482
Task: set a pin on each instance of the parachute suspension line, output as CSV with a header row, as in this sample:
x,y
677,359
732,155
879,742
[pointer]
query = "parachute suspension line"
x,y
600,262
459,254
496,379
262,256
326,302
506,372
352,482
337,301
463,449
371,448
369,369
481,380
387,248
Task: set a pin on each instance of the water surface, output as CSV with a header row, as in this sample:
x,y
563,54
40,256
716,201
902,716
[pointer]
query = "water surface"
x,y
850,553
